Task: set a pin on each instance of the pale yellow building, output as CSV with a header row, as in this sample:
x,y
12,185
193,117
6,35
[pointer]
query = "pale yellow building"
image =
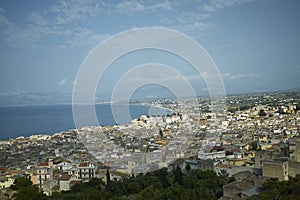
x,y
236,161
6,182
264,146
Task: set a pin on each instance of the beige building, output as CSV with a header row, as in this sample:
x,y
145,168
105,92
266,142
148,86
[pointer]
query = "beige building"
x,y
34,179
64,181
45,179
236,161
260,156
43,173
213,155
294,148
275,169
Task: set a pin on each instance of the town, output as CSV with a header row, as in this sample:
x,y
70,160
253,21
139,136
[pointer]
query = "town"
x,y
257,138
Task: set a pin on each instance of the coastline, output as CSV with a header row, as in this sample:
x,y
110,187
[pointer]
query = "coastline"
x,y
52,119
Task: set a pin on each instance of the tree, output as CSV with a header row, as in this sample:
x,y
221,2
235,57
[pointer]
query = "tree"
x,y
274,189
159,184
107,176
29,193
90,193
262,113
21,182
150,193
25,190
178,175
297,106
187,167
224,178
254,145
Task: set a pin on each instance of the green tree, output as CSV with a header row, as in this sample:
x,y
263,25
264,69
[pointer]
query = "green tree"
x,y
29,193
90,193
223,177
107,176
21,182
25,190
285,190
262,113
178,175
187,167
254,145
150,192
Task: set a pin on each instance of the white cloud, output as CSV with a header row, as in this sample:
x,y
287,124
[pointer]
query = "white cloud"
x,y
129,7
37,19
65,19
3,19
83,37
230,76
214,5
60,20
192,16
195,22
66,82
192,22
194,28
75,10
63,82
162,5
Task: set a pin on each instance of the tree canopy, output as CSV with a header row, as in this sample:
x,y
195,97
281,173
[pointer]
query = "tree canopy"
x,y
25,190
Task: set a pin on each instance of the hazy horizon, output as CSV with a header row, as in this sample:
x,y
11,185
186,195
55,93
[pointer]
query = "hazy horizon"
x,y
253,43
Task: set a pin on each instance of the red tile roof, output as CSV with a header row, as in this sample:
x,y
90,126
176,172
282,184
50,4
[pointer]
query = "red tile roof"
x,y
75,182
83,164
65,177
43,164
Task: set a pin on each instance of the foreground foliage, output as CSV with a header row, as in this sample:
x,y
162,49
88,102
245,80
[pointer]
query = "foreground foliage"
x,y
25,190
161,184
284,190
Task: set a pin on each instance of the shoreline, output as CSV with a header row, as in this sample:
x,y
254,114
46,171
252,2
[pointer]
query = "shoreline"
x,y
51,133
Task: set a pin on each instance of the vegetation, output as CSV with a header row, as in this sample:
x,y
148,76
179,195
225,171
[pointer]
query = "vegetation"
x,y
284,190
160,184
239,108
254,145
262,113
25,190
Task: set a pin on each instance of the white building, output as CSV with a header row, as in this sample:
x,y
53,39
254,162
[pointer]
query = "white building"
x,y
86,171
214,155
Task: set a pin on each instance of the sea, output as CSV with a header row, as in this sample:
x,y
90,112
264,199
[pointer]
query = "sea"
x,y
30,120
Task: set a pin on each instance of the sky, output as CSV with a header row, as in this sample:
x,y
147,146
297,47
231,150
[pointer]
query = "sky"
x,y
254,43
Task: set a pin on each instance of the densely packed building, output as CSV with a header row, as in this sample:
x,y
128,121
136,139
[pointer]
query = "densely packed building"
x,y
257,134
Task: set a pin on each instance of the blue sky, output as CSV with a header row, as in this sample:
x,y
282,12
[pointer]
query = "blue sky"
x,y
254,43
